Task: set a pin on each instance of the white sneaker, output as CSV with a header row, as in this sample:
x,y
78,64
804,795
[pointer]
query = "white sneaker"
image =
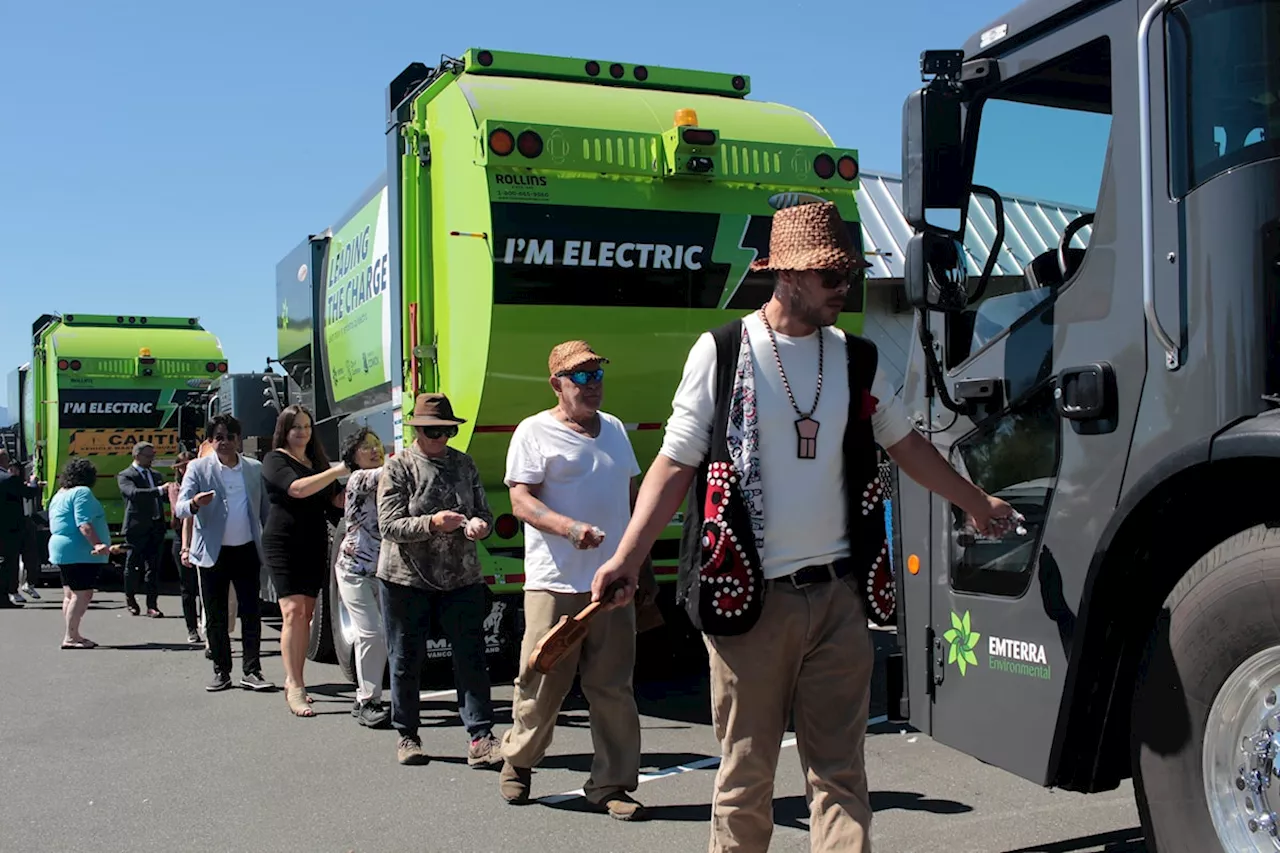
x,y
16,598
30,591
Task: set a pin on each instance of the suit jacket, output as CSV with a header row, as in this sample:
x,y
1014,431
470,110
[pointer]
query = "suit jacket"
x,y
141,502
205,475
13,493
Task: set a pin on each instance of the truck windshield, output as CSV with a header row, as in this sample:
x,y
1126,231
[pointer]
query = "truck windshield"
x,y
1224,87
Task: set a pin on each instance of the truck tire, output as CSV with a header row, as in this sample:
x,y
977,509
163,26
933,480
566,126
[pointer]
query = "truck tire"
x,y
344,651
320,649
1210,681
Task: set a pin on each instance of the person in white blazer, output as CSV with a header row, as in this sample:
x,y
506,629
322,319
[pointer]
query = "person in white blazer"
x,y
223,492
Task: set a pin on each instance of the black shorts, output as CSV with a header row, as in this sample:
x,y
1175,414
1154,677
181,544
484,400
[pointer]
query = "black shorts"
x,y
80,576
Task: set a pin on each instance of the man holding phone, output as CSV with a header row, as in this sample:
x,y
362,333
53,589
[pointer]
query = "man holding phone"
x,y
571,471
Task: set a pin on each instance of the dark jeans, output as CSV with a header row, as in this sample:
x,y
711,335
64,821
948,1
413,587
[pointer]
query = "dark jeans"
x,y
10,551
146,546
189,581
408,613
239,565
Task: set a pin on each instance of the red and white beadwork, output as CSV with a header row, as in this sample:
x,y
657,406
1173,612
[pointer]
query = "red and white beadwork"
x,y
725,568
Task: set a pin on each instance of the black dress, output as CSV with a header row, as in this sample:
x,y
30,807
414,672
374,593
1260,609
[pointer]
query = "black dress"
x,y
295,538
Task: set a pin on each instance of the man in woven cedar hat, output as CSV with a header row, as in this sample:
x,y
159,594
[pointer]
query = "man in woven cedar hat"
x,y
785,558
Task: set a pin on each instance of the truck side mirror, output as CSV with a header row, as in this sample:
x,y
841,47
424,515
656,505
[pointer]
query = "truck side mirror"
x,y
935,275
933,175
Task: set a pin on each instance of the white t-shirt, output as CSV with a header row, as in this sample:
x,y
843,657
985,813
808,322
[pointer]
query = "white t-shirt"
x,y
239,530
804,504
587,479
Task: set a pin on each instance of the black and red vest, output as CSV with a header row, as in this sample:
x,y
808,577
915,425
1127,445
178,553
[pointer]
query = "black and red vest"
x,y
720,582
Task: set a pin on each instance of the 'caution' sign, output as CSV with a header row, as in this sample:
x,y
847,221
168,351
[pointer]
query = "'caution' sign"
x,y
113,442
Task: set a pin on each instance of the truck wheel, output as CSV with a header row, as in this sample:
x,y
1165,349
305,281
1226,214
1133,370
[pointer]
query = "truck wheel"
x,y
344,637
1206,705
320,648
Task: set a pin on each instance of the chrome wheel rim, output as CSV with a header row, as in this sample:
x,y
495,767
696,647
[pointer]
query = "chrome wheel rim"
x,y
1241,756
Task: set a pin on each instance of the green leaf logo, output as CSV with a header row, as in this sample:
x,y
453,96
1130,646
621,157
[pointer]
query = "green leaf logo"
x,y
962,640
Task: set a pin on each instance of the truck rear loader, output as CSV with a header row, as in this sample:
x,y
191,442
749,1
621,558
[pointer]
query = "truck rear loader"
x,y
1120,391
98,384
530,200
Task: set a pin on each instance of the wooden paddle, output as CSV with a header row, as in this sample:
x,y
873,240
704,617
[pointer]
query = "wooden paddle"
x,y
567,634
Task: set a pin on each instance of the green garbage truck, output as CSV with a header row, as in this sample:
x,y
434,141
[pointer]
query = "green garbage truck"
x,y
530,200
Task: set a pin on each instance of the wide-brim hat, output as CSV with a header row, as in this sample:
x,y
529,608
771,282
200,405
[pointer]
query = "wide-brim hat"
x,y
433,409
570,355
810,237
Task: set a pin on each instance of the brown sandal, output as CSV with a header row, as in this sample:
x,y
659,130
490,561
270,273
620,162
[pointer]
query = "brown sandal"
x,y
296,697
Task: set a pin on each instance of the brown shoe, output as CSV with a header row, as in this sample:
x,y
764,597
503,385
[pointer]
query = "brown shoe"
x,y
485,751
621,806
514,782
410,751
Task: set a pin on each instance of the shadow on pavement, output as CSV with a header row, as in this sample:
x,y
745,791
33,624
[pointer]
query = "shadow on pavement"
x,y
650,762
1120,841
154,647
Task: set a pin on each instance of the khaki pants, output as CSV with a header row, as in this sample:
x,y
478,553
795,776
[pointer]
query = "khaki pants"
x,y
606,658
810,655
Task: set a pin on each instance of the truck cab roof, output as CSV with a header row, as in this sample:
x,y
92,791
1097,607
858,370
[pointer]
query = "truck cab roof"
x,y
1025,21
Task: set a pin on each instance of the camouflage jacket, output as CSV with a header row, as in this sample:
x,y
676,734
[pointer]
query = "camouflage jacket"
x,y
413,486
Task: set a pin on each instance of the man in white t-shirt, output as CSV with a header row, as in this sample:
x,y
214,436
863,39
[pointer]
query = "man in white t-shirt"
x,y
571,473
790,444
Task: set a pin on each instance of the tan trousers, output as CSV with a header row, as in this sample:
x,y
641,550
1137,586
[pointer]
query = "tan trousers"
x,y
809,655
606,658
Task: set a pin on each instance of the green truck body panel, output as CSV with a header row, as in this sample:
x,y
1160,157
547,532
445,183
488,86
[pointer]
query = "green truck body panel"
x,y
115,397
609,233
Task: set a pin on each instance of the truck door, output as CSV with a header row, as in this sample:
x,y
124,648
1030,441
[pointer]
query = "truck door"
x,y
1047,329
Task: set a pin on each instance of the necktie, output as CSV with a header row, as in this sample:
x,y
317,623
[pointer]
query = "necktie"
x,y
151,480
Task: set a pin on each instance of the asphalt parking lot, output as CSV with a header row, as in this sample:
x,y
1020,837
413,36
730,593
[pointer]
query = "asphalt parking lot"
x,y
119,748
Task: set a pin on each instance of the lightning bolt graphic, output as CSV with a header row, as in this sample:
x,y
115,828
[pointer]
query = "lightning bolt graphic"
x,y
729,250
168,408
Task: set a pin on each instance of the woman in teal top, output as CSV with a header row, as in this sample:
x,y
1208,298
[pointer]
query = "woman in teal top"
x,y
78,544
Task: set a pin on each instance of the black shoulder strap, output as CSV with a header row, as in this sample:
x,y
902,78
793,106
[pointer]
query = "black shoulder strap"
x,y
728,339
863,359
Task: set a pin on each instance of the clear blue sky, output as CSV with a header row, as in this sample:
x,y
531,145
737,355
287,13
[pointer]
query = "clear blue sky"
x,y
161,157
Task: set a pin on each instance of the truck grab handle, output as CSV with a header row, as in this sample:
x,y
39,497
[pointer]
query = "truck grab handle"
x,y
1172,354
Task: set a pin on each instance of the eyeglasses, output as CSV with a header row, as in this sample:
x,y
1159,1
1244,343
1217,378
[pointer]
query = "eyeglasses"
x,y
832,280
438,431
221,436
582,377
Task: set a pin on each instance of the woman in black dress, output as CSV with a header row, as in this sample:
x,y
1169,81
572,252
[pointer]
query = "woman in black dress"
x,y
302,487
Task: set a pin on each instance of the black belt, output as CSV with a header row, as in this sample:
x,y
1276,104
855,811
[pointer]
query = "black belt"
x,y
810,575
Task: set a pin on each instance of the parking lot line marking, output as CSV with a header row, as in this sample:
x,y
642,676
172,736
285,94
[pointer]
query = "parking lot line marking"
x,y
700,764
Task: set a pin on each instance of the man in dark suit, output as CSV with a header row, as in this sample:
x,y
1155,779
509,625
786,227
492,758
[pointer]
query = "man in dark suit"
x,y
12,530
144,527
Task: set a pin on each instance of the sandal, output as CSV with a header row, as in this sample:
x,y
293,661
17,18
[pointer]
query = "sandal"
x,y
80,644
296,699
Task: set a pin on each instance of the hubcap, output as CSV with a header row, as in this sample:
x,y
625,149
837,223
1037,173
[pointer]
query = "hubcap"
x,y
346,627
1241,760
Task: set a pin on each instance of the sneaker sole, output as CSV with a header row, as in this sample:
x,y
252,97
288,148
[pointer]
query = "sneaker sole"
x,y
416,760
258,688
219,688
481,763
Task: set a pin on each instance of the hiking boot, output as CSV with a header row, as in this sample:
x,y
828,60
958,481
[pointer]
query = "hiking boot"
x,y
255,681
221,681
409,751
372,715
621,806
484,751
514,782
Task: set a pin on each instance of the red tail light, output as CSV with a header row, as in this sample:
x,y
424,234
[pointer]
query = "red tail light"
x,y
501,142
824,166
211,367
847,167
692,136
507,526
63,364
75,364
530,144
222,367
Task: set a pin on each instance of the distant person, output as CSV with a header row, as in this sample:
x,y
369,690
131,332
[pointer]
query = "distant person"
x,y
79,545
188,574
305,497
142,489
571,471
225,495
32,559
13,529
357,573
431,511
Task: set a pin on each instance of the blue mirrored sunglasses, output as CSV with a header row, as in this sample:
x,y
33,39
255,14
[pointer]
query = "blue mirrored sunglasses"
x,y
582,377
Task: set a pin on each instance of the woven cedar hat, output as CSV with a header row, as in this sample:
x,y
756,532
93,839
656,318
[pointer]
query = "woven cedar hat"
x,y
570,355
810,237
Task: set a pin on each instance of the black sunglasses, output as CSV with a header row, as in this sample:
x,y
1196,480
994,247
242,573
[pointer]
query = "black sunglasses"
x,y
438,431
832,279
